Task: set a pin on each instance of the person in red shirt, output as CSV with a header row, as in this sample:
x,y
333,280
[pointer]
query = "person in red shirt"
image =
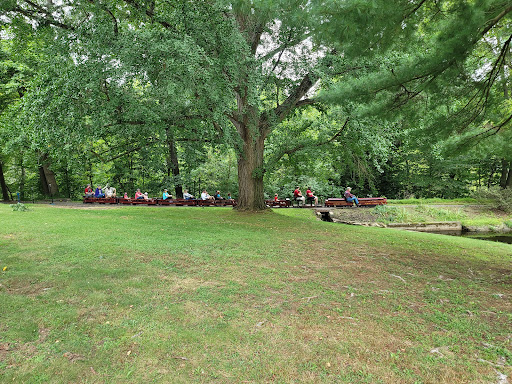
x,y
275,197
139,195
88,191
310,196
297,195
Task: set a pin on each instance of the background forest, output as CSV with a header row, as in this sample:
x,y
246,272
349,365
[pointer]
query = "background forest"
x,y
396,99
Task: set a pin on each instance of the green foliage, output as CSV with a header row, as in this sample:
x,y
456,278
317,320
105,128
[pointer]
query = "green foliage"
x,y
389,214
441,214
108,87
20,207
496,197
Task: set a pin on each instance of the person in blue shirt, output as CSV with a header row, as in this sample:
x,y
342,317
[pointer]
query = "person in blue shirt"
x,y
165,195
218,196
99,192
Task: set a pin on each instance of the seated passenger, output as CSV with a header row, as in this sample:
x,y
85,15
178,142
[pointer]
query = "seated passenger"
x,y
186,195
310,196
350,197
229,197
165,195
99,192
88,191
297,195
146,196
125,196
206,196
139,195
110,192
276,197
218,196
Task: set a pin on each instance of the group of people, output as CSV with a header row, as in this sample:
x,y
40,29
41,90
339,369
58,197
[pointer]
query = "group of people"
x,y
297,195
310,196
217,196
111,192
100,192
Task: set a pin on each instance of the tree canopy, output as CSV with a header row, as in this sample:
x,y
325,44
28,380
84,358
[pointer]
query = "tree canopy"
x,y
345,83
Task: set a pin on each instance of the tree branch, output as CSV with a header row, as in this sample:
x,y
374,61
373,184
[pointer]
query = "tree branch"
x,y
494,21
415,9
303,145
36,15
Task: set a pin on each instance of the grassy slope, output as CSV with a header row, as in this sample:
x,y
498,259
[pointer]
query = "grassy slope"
x,y
141,294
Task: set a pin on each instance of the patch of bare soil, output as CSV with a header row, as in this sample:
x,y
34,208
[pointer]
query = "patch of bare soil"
x,y
88,207
360,215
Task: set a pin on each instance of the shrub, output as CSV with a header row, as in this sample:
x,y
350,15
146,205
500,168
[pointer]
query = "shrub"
x,y
497,198
18,207
390,214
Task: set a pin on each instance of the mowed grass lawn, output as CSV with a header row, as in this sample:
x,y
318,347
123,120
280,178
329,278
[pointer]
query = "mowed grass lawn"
x,y
181,295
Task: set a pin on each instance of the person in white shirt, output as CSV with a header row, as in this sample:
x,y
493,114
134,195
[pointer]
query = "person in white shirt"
x,y
186,195
206,196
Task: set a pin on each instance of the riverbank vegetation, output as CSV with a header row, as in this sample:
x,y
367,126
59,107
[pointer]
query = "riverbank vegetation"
x,y
141,294
471,216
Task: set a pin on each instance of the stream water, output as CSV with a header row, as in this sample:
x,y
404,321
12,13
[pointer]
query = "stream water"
x,y
502,238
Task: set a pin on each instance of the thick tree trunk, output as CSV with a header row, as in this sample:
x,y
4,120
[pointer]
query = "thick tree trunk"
x,y
173,164
44,182
51,180
47,177
250,175
5,192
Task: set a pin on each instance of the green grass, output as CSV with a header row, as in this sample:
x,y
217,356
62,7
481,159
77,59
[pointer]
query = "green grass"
x,y
140,294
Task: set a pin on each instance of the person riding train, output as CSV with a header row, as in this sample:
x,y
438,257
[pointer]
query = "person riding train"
x,y
349,197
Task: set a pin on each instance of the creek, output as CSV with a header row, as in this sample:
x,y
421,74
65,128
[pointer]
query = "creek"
x,y
502,238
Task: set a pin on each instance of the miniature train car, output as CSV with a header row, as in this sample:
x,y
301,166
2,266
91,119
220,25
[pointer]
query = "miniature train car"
x,y
363,201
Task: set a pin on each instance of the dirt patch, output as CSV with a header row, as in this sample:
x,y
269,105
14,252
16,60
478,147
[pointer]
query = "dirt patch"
x,y
20,287
360,215
88,207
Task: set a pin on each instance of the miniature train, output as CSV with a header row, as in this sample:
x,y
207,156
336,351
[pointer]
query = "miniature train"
x,y
286,203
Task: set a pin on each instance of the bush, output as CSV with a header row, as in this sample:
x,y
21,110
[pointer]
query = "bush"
x,y
497,198
389,214
18,207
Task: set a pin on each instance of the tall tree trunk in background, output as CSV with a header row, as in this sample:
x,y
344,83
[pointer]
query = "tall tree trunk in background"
x,y
509,178
50,178
22,178
173,164
43,181
68,187
505,166
5,192
47,177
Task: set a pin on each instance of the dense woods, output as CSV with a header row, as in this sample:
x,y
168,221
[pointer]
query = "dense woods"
x,y
403,98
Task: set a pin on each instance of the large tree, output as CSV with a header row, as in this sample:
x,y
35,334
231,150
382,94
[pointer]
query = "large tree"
x,y
243,67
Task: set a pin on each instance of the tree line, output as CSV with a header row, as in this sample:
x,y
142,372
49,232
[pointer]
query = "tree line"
x,y
396,98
